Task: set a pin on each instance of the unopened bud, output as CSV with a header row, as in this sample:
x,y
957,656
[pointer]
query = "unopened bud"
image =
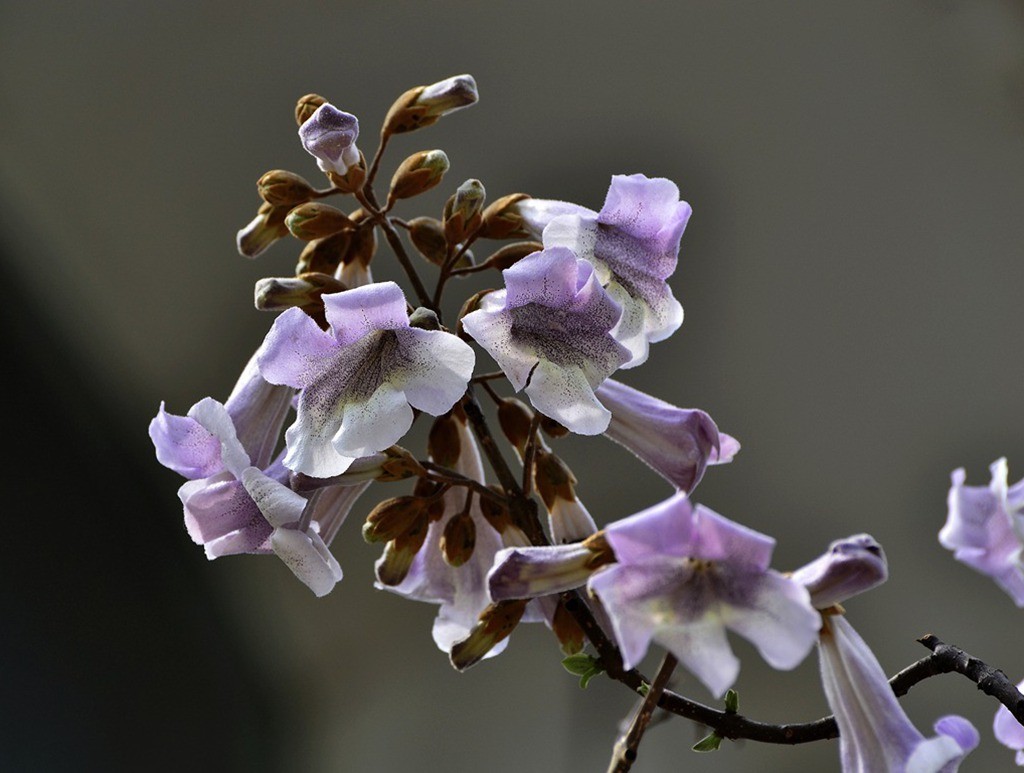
x,y
849,566
443,443
353,177
393,565
314,220
305,290
497,515
427,235
364,242
458,539
265,229
423,105
570,635
424,319
515,419
306,106
553,478
496,623
501,220
418,173
511,254
401,464
324,255
281,188
552,428
329,135
393,518
462,212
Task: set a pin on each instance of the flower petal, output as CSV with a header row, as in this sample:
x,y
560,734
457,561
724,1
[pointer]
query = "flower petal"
x,y
308,558
184,445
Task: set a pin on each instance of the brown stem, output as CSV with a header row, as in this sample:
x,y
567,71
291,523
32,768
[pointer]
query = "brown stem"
x,y
530,454
625,751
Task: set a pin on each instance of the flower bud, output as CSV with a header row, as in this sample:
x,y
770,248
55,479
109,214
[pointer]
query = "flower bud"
x,y
353,178
462,211
314,220
552,428
515,419
401,464
324,255
394,518
393,565
501,220
511,254
443,443
497,515
427,236
281,188
458,539
496,623
570,635
553,478
265,229
423,105
330,135
304,291
417,174
306,106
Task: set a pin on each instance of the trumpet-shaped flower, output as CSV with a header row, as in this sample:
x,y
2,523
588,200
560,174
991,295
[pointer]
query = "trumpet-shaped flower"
x,y
361,378
329,135
633,243
677,443
850,566
549,331
874,732
984,528
1009,732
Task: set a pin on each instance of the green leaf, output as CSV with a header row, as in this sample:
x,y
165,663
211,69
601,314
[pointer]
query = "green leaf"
x,y
585,679
580,664
708,743
732,702
643,689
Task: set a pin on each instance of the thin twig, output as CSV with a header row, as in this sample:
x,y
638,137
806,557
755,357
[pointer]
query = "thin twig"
x,y
441,474
375,164
625,750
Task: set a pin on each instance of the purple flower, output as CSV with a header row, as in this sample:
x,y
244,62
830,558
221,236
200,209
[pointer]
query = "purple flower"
x,y
548,330
984,528
850,566
874,732
681,576
1008,731
633,243
330,136
361,378
676,443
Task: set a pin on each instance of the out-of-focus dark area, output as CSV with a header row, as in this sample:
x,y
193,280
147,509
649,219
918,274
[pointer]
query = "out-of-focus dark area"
x,y
851,278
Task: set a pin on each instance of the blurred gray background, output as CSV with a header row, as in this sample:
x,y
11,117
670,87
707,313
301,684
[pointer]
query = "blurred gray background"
x,y
851,277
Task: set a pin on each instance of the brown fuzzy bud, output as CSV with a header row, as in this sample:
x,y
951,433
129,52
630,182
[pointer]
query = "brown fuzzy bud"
x,y
443,443
265,229
418,173
462,212
399,554
393,518
364,242
314,220
496,514
602,552
511,254
501,220
305,290
306,106
423,105
324,255
570,635
553,478
552,428
401,464
515,419
427,235
458,539
281,188
496,623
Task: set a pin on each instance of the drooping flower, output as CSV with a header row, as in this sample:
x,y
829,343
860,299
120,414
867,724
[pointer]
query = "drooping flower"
x,y
681,575
849,567
549,331
984,528
633,243
329,135
1009,732
676,443
361,378
874,732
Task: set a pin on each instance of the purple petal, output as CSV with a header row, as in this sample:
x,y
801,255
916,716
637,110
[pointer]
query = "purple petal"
x,y
184,445
354,313
258,410
214,417
296,352
850,566
221,516
632,627
548,278
647,208
664,529
521,573
1008,731
330,136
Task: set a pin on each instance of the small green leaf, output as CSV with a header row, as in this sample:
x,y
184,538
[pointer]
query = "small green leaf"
x,y
732,702
580,664
643,689
585,679
708,743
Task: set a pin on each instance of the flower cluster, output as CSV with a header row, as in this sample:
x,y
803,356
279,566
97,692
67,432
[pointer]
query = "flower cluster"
x,y
349,364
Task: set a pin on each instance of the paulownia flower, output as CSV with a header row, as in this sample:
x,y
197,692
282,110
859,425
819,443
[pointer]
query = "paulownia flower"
x,y
677,443
874,732
329,135
849,567
633,243
681,576
984,528
549,331
1009,732
360,378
